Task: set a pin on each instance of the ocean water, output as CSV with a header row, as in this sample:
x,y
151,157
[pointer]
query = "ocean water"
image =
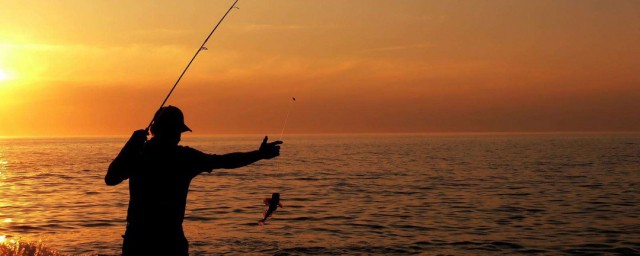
x,y
567,194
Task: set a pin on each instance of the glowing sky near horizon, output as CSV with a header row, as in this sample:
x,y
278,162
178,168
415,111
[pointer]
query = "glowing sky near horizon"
x,y
102,67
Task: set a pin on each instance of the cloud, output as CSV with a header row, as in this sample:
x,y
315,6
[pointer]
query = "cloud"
x,y
267,27
399,48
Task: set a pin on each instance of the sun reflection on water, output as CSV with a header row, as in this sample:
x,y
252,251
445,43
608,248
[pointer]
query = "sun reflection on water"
x,y
3,167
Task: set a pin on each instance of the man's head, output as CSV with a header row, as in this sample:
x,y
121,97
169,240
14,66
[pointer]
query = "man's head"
x,y
169,123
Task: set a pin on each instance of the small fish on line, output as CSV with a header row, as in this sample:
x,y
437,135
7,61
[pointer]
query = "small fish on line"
x,y
273,204
204,48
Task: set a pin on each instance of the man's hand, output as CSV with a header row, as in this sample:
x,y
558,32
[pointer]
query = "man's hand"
x,y
269,150
139,135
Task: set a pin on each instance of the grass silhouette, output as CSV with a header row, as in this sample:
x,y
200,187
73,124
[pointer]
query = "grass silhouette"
x,y
19,248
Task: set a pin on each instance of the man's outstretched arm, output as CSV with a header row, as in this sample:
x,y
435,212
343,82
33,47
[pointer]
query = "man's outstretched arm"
x,y
120,167
267,150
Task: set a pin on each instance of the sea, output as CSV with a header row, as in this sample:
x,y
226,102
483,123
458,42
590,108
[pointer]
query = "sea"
x,y
377,194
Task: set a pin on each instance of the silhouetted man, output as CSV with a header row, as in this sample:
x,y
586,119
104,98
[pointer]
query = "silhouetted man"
x,y
159,173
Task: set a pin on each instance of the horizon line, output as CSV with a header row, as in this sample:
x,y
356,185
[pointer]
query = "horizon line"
x,y
339,134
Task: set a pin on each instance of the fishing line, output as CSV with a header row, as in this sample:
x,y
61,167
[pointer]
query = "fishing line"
x,y
284,125
201,48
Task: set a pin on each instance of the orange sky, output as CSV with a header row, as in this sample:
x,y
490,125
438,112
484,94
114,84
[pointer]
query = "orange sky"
x,y
102,67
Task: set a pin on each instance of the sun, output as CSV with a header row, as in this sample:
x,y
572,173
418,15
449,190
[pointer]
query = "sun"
x,y
3,75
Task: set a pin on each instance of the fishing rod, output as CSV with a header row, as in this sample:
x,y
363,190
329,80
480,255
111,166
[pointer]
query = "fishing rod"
x,y
202,47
